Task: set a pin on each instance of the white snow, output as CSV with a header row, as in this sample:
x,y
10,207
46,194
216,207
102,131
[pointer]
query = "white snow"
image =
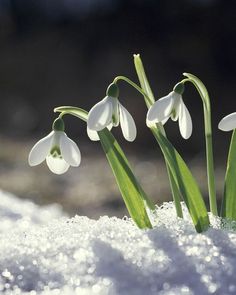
x,y
43,252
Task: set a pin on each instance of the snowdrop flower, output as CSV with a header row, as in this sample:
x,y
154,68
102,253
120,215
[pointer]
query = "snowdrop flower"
x,y
110,112
59,151
228,123
171,106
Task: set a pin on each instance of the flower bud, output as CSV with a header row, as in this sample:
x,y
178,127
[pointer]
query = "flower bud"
x,y
112,90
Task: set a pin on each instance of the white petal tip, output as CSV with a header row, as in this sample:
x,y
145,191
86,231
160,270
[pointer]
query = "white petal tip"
x,y
161,109
100,115
127,124
70,151
93,135
185,122
57,165
228,123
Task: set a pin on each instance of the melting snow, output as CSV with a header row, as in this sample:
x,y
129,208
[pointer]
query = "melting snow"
x,y
43,252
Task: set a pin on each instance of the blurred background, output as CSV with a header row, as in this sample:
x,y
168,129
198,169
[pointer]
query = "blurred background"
x,y
66,52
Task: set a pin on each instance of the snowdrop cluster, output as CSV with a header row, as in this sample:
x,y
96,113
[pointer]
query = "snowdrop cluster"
x,y
60,152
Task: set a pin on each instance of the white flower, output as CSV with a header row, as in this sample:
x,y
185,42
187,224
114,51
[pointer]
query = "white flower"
x,y
228,123
107,113
59,151
171,106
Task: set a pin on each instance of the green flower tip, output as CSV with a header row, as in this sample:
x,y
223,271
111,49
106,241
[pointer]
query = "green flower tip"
x,y
113,90
179,88
58,125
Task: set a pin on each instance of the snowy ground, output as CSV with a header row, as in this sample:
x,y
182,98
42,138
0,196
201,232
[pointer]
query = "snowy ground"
x,y
44,252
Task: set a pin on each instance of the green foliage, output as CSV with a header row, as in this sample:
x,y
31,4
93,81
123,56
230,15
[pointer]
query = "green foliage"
x,y
185,182
181,180
228,208
149,100
134,197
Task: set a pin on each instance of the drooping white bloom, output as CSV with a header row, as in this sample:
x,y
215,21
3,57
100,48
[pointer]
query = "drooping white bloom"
x,y
228,123
59,151
109,113
171,106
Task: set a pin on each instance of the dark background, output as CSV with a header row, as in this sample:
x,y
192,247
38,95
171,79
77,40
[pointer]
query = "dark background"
x,y
66,52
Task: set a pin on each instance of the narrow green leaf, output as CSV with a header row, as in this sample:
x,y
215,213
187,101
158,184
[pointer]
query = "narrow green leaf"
x,y
185,182
228,208
134,197
149,100
143,80
181,179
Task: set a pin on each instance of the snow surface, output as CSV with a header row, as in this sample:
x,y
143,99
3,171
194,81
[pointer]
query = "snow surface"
x,y
43,252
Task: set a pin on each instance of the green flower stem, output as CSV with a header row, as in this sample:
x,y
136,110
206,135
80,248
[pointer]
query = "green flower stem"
x,y
208,138
139,89
149,103
184,181
228,206
175,192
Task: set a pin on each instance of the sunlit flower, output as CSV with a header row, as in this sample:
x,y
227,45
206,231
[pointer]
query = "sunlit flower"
x,y
228,123
109,113
59,151
171,106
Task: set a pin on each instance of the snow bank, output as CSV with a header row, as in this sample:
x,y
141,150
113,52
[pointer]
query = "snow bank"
x,y
43,252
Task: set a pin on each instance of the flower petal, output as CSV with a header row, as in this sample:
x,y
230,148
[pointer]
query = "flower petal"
x,y
161,109
100,114
69,150
151,124
165,120
57,165
228,123
127,124
115,112
177,100
93,135
40,150
185,121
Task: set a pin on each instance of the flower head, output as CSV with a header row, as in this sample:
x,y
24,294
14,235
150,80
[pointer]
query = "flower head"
x,y
171,106
228,123
109,113
59,150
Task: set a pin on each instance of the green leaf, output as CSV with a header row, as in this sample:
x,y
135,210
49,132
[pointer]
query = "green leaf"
x,y
149,100
181,179
228,208
185,182
134,197
143,80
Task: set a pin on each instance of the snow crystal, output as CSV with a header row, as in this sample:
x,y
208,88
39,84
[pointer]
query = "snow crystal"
x,y
43,252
